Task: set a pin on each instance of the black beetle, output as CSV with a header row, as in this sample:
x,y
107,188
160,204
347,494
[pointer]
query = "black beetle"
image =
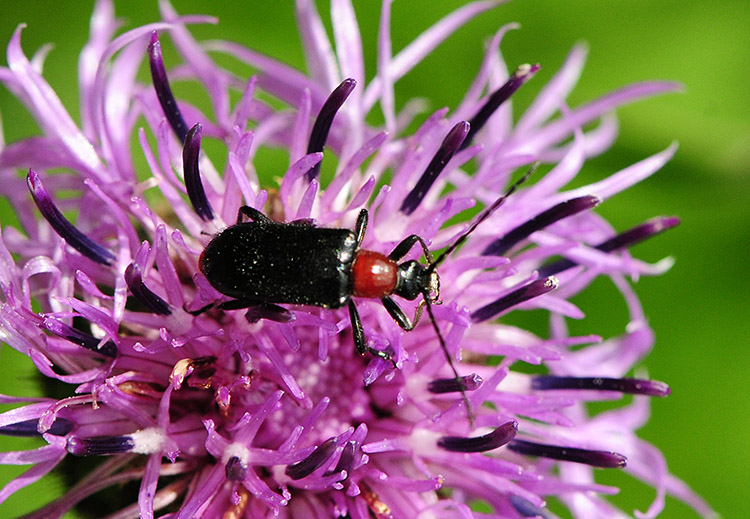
x,y
261,263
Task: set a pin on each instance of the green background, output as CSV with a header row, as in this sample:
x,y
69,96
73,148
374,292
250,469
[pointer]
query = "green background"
x,y
699,310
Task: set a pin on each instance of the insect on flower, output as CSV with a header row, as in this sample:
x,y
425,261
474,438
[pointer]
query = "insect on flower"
x,y
260,263
128,290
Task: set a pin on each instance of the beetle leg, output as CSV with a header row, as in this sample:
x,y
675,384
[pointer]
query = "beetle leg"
x,y
359,336
200,310
357,331
361,227
258,311
235,304
268,311
405,246
308,222
253,214
398,314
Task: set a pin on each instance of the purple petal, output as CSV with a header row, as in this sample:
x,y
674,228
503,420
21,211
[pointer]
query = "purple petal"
x,y
62,226
516,297
324,120
557,130
497,438
163,90
143,294
624,385
99,445
452,385
351,61
450,145
191,151
321,61
314,461
554,93
595,458
60,427
424,44
498,97
82,339
562,210
628,238
526,508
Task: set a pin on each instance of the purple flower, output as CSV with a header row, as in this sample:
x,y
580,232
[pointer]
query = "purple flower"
x,y
219,411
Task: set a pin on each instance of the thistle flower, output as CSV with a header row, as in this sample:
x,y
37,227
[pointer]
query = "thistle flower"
x,y
215,411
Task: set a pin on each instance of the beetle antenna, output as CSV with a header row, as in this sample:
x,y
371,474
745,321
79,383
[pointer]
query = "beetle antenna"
x,y
482,217
444,347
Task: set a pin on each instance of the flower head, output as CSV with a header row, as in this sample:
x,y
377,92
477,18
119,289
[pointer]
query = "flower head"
x,y
210,360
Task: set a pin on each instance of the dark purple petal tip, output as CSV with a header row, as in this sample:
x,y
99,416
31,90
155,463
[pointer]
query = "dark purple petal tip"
x,y
632,386
191,152
322,126
526,508
82,339
235,469
62,226
497,438
631,237
142,293
99,445
27,428
347,459
314,461
554,214
601,459
646,230
163,90
450,145
526,292
498,97
454,385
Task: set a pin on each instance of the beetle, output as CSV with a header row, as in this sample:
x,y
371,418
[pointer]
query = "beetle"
x,y
260,262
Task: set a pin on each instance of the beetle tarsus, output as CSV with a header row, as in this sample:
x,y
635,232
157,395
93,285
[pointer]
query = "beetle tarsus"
x,y
383,355
253,214
359,337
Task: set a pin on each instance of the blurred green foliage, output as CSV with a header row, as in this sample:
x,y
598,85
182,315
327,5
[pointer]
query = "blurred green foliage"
x,y
699,310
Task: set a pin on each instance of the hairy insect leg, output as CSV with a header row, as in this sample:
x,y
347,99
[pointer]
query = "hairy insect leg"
x,y
400,250
361,226
359,336
398,315
252,214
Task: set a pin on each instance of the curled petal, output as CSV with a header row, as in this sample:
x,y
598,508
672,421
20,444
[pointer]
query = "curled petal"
x,y
62,226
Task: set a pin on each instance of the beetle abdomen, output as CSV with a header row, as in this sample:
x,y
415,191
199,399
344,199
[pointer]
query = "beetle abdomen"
x,y
281,263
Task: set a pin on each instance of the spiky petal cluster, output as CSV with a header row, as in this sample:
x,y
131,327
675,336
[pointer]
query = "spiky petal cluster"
x,y
217,413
